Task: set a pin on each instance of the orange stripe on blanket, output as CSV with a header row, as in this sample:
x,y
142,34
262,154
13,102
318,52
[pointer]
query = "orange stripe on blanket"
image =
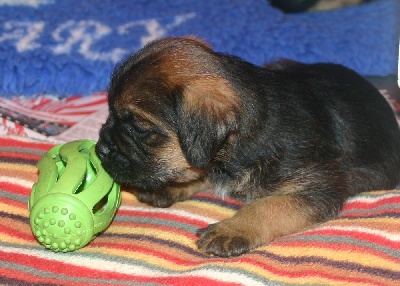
x,y
14,206
24,172
21,210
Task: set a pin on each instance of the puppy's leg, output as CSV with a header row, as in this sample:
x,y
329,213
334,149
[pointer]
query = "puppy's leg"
x,y
175,193
264,220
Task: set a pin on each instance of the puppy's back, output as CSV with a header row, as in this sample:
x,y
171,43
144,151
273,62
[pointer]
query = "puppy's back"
x,y
362,122
337,117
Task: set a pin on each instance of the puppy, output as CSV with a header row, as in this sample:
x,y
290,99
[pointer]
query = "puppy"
x,y
292,140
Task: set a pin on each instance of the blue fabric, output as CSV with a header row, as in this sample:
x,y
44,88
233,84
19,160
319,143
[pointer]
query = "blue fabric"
x,y
69,47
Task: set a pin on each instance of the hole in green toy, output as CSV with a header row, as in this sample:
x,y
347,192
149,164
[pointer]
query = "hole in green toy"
x,y
89,177
60,165
101,206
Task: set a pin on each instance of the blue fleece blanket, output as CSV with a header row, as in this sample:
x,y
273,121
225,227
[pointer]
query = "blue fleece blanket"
x,y
66,47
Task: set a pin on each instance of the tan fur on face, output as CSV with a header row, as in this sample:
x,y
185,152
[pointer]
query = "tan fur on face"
x,y
171,156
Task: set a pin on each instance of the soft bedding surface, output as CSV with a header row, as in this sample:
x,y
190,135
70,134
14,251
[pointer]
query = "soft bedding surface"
x,y
152,246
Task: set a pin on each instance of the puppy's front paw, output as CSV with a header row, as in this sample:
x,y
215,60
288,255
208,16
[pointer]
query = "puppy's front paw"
x,y
224,240
159,199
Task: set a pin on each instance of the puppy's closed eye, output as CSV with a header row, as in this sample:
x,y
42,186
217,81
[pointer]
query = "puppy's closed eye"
x,y
145,132
153,138
132,123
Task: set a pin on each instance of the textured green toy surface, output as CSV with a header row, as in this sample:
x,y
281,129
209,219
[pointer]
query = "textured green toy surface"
x,y
74,198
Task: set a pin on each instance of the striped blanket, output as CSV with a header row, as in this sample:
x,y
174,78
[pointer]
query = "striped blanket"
x,y
151,246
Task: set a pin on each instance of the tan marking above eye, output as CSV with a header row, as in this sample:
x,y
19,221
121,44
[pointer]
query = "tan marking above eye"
x,y
143,124
144,119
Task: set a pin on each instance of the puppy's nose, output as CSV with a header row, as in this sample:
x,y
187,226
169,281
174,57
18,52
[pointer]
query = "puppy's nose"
x,y
102,150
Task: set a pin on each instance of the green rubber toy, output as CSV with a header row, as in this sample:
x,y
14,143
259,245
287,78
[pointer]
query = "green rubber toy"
x,y
74,198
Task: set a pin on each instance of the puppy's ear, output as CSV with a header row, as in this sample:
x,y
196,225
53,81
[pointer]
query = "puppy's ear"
x,y
208,113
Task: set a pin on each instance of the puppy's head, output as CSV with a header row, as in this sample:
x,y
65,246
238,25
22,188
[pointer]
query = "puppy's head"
x,y
171,109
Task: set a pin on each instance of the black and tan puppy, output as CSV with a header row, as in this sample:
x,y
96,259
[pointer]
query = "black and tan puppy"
x,y
292,140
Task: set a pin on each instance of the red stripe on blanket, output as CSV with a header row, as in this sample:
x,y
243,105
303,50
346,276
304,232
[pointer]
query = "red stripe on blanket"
x,y
352,205
10,231
25,144
14,188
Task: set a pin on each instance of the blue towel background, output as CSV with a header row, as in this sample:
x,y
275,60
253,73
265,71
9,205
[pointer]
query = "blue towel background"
x,y
65,47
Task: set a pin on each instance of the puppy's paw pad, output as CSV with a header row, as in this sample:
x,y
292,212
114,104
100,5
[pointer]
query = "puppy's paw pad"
x,y
218,241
